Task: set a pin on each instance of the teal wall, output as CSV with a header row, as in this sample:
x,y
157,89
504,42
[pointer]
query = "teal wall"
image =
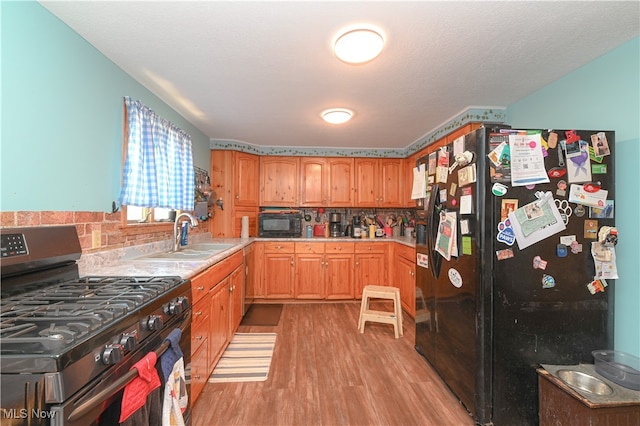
x,y
62,116
604,94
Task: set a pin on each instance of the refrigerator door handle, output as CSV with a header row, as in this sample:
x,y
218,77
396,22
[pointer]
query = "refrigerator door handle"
x,y
433,214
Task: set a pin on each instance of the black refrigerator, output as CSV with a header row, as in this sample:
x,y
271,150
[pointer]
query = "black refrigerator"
x,y
494,300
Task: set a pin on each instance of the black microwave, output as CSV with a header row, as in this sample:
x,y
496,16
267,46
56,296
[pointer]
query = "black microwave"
x,y
280,225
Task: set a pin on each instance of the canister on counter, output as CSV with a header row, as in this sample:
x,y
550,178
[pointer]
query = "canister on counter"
x,y
309,231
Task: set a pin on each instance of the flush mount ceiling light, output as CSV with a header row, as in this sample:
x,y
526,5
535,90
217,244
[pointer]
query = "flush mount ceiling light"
x,y
358,45
337,115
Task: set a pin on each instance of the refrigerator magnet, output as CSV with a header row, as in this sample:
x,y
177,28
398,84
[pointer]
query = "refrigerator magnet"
x,y
561,250
538,263
548,281
591,229
505,233
504,254
498,189
455,278
597,286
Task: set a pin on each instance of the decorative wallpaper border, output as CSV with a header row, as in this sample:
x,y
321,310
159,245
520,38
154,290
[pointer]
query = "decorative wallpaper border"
x,y
469,115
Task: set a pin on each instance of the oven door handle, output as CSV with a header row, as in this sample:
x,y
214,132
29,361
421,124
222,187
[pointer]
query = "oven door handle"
x,y
86,407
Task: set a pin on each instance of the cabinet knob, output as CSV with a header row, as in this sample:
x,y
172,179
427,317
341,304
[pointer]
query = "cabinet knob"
x,y
197,376
198,337
237,196
200,288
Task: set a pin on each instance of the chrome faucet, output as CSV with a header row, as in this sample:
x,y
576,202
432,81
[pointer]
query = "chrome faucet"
x,y
176,234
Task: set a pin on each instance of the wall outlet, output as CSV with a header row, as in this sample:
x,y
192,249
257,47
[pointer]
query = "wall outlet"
x,y
96,238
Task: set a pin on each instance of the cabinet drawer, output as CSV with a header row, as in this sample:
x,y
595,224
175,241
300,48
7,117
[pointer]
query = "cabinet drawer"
x,y
279,247
370,247
199,371
331,248
316,248
199,326
224,268
199,288
407,252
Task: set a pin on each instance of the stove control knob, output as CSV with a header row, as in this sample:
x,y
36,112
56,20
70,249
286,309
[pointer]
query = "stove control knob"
x,y
176,307
154,322
112,354
129,341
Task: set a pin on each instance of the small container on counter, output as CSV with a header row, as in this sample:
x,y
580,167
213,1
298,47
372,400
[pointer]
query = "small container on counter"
x,y
309,231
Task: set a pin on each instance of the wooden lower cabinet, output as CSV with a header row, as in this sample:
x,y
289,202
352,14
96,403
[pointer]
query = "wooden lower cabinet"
x,y
339,276
310,272
212,323
236,282
278,270
199,349
370,266
405,280
219,321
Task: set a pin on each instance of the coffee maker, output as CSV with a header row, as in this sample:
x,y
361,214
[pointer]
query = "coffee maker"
x,y
335,225
356,231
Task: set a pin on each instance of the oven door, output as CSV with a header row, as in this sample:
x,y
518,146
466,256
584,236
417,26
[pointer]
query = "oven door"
x,y
100,401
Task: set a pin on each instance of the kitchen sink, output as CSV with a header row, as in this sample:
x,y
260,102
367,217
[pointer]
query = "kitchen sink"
x,y
192,252
585,382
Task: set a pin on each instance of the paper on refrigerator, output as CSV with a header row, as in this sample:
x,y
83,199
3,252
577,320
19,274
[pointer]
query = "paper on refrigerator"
x,y
527,161
419,182
536,221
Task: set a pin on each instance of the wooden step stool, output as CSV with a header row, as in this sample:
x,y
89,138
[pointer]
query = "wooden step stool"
x,y
381,292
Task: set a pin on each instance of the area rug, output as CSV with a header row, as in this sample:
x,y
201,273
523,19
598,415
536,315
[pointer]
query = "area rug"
x,y
262,314
246,359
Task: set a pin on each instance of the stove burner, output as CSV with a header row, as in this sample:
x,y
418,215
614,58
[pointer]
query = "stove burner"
x,y
62,314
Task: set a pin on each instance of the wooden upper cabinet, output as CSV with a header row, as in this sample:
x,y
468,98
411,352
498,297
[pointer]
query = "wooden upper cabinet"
x,y
409,164
279,181
246,179
313,182
391,182
366,182
326,182
341,182
379,182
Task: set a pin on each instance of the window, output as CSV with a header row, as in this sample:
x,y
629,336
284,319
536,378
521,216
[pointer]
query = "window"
x,y
158,174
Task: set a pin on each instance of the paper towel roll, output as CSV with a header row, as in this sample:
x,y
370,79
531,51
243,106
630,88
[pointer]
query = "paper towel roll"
x,y
244,233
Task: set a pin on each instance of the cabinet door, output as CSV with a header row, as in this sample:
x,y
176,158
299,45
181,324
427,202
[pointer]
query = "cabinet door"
x,y
370,270
408,164
404,279
219,321
236,283
246,179
278,275
251,275
366,182
279,181
390,182
339,276
309,276
340,182
313,184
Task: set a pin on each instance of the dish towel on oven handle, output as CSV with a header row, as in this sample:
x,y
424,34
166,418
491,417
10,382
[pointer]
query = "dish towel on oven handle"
x,y
136,391
176,399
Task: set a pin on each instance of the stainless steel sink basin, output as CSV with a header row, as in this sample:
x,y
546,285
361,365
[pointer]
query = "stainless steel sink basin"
x,y
208,247
193,252
585,382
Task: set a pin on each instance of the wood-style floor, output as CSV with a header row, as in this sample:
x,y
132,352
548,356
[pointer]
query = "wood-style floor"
x,y
324,372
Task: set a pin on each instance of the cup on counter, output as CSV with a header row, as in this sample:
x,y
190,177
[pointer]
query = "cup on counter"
x,y
409,232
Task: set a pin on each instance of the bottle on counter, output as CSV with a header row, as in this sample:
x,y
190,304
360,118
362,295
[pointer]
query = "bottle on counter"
x,y
326,229
309,231
372,231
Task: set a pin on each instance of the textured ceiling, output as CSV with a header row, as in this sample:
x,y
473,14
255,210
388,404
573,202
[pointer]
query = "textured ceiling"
x,y
261,72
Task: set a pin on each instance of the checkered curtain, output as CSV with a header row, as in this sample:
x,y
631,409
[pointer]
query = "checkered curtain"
x,y
158,169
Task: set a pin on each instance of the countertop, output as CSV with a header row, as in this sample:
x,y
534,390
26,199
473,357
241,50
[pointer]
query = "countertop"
x,y
126,262
620,396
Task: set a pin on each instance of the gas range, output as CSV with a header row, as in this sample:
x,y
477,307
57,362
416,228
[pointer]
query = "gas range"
x,y
65,338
